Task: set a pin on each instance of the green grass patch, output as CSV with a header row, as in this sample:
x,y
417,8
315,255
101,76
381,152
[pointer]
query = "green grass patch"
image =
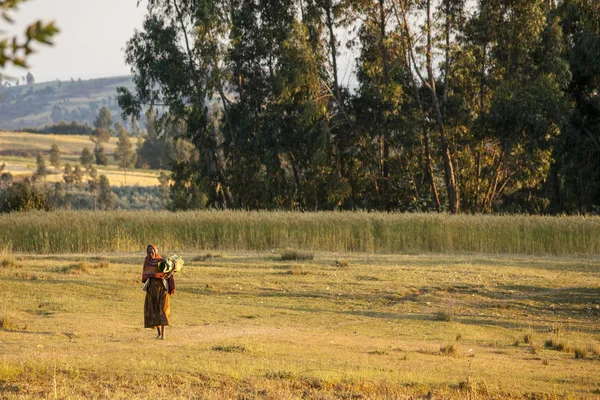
x,y
229,348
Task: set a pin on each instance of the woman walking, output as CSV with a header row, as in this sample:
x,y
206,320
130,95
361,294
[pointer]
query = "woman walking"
x,y
159,287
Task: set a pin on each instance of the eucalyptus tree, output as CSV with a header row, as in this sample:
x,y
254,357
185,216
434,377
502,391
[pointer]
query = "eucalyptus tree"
x,y
41,168
55,155
277,136
176,62
526,76
104,121
576,171
429,42
124,154
106,196
381,121
87,158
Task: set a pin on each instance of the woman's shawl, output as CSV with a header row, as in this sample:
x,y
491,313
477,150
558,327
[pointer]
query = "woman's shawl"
x,y
151,268
151,265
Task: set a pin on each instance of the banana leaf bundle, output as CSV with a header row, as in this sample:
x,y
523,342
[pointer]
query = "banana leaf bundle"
x,y
173,263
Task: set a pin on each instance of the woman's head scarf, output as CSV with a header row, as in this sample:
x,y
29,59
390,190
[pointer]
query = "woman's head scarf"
x,y
156,255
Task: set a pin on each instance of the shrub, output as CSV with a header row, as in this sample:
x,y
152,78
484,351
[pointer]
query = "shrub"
x,y
558,346
580,352
594,349
229,348
23,196
449,350
9,262
293,255
278,375
379,352
80,267
446,316
7,323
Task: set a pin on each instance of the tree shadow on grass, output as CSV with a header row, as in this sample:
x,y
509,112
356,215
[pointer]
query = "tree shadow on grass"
x,y
565,295
25,332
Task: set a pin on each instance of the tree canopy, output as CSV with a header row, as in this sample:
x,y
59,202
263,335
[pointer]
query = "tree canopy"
x,y
461,106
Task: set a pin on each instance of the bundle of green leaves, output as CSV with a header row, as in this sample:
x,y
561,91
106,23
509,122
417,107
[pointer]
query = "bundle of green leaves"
x,y
173,263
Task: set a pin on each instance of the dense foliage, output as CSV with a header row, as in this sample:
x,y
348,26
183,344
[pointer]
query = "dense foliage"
x,y
22,196
62,128
461,106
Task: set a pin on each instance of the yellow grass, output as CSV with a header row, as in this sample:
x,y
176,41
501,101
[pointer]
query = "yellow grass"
x,y
88,231
20,143
245,327
69,145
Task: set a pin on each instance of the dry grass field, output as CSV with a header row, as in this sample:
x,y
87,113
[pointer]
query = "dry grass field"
x,y
288,325
18,151
23,143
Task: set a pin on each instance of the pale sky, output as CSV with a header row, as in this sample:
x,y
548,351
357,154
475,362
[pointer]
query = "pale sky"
x,y
92,38
93,34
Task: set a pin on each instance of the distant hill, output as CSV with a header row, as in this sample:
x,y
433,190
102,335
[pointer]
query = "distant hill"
x,y
38,105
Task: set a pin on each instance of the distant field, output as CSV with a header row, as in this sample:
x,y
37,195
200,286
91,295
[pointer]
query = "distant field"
x,y
18,150
30,144
256,325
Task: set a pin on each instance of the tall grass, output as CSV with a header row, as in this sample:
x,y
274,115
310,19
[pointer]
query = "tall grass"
x,y
86,231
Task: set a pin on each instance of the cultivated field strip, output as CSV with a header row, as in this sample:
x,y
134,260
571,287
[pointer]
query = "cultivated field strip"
x,y
85,232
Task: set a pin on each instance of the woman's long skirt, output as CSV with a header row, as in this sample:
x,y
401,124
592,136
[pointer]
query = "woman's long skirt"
x,y
157,307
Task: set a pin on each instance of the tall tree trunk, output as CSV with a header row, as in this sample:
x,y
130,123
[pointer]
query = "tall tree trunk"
x,y
477,182
429,164
453,198
221,177
333,46
386,134
428,170
555,188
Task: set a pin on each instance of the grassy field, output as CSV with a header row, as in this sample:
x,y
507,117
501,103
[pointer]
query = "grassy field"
x,y
90,231
20,149
275,325
30,144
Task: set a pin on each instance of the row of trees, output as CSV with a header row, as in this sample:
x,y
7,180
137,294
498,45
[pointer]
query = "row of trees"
x,y
29,194
155,149
462,106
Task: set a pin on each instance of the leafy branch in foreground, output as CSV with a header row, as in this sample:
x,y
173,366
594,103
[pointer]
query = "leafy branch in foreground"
x,y
14,50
